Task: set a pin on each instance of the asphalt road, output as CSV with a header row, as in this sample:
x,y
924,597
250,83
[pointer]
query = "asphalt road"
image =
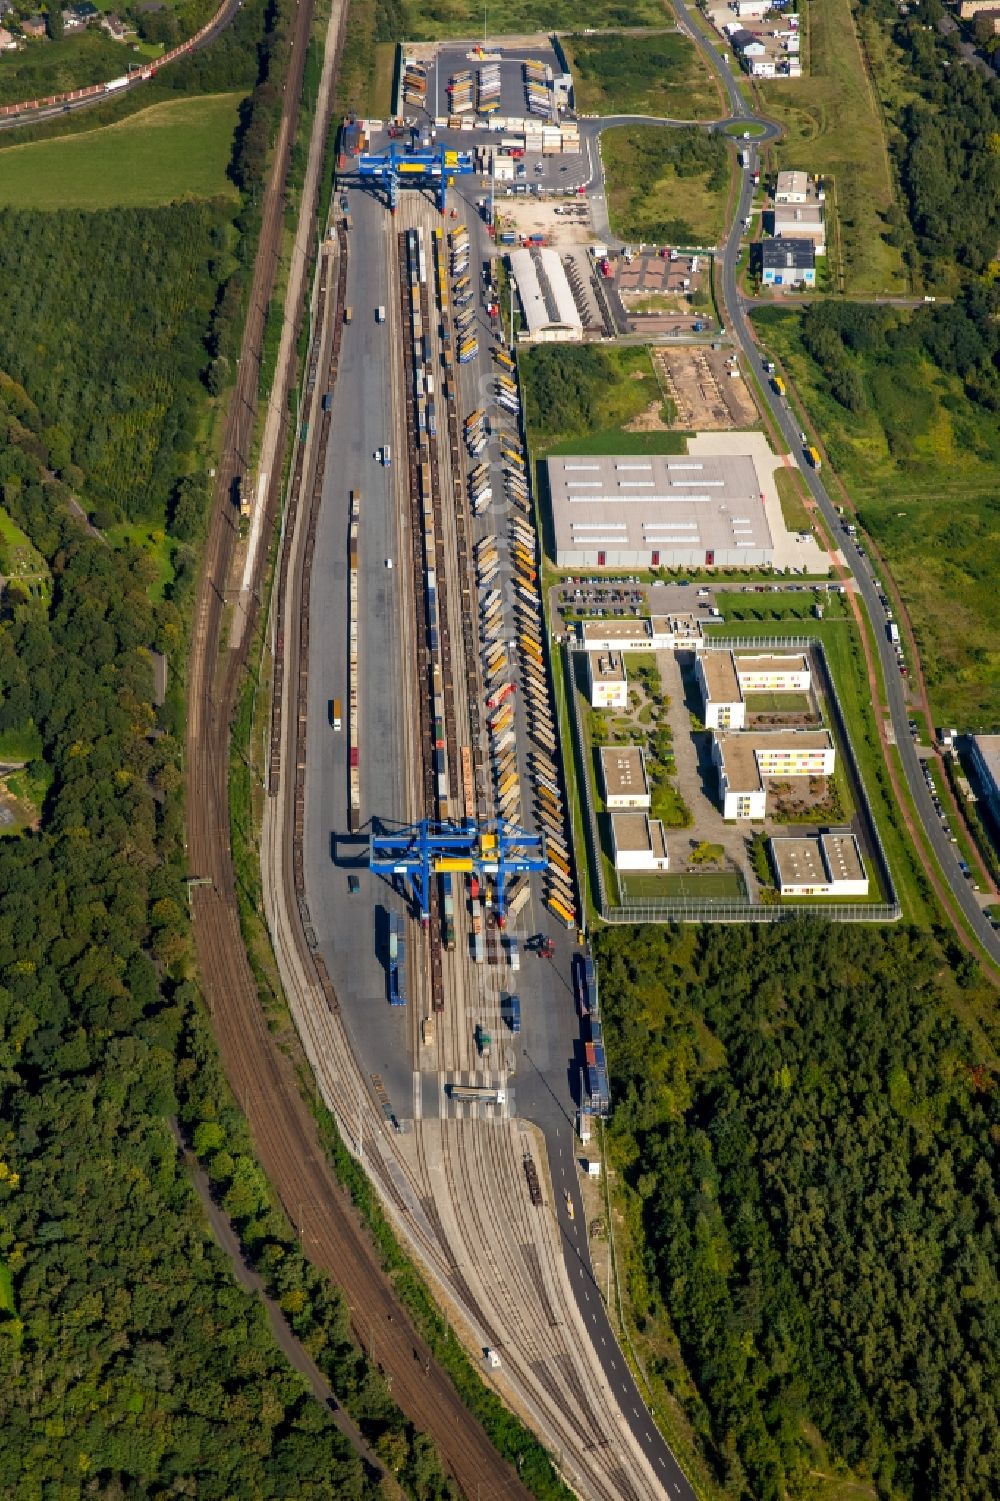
x,y
783,415
786,420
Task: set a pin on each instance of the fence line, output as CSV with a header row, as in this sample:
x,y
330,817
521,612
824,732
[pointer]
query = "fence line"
x,y
689,910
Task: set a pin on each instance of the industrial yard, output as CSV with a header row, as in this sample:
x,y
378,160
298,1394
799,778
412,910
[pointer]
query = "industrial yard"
x,y
436,861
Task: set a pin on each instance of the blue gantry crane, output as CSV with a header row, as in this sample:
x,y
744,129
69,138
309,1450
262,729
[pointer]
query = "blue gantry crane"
x,y
422,850
433,164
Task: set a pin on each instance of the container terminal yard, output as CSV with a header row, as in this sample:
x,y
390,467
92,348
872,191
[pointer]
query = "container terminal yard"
x,y
432,858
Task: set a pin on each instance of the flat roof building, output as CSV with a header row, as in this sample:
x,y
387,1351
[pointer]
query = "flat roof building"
x,y
801,221
725,678
792,187
985,759
823,865
774,672
638,842
623,772
607,680
721,696
676,511
660,633
546,298
787,262
746,761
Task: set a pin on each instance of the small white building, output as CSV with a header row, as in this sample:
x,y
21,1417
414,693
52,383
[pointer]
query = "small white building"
x,y
638,842
792,187
745,761
607,680
823,865
725,678
795,221
721,699
750,9
623,773
659,633
775,672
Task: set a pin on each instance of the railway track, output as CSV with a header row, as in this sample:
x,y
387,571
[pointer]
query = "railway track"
x,y
262,1079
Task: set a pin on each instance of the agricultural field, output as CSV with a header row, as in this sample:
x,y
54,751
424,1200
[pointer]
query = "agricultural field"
x,y
833,127
919,460
170,152
421,22
666,186
662,75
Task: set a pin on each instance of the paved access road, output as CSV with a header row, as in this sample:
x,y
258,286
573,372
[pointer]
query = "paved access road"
x,y
787,421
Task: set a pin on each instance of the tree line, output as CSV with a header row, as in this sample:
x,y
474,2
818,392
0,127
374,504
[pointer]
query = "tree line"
x,y
813,1140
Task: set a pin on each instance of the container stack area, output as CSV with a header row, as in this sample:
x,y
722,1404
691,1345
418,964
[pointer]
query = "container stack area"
x,y
414,83
460,100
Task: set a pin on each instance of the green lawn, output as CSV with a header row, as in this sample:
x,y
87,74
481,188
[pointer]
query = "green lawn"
x,y
616,440
777,703
18,557
20,745
629,75
447,18
783,606
171,151
833,127
920,463
666,186
791,489
702,885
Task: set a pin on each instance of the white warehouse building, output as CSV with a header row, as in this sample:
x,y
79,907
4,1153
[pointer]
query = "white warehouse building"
x,y
660,511
546,299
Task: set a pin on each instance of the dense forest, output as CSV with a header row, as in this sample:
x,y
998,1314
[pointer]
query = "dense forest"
x,y
131,1363
945,142
815,1143
961,338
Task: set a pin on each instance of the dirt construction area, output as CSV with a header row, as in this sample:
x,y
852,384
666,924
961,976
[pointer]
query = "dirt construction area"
x,y
565,223
707,389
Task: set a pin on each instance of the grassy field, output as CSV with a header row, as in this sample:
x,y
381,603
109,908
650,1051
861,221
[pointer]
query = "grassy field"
x,y
422,22
781,606
658,75
18,558
696,886
834,127
791,489
45,67
921,464
580,398
777,703
171,151
653,198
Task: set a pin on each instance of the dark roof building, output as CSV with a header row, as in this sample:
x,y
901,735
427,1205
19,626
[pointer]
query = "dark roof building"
x,y
788,255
